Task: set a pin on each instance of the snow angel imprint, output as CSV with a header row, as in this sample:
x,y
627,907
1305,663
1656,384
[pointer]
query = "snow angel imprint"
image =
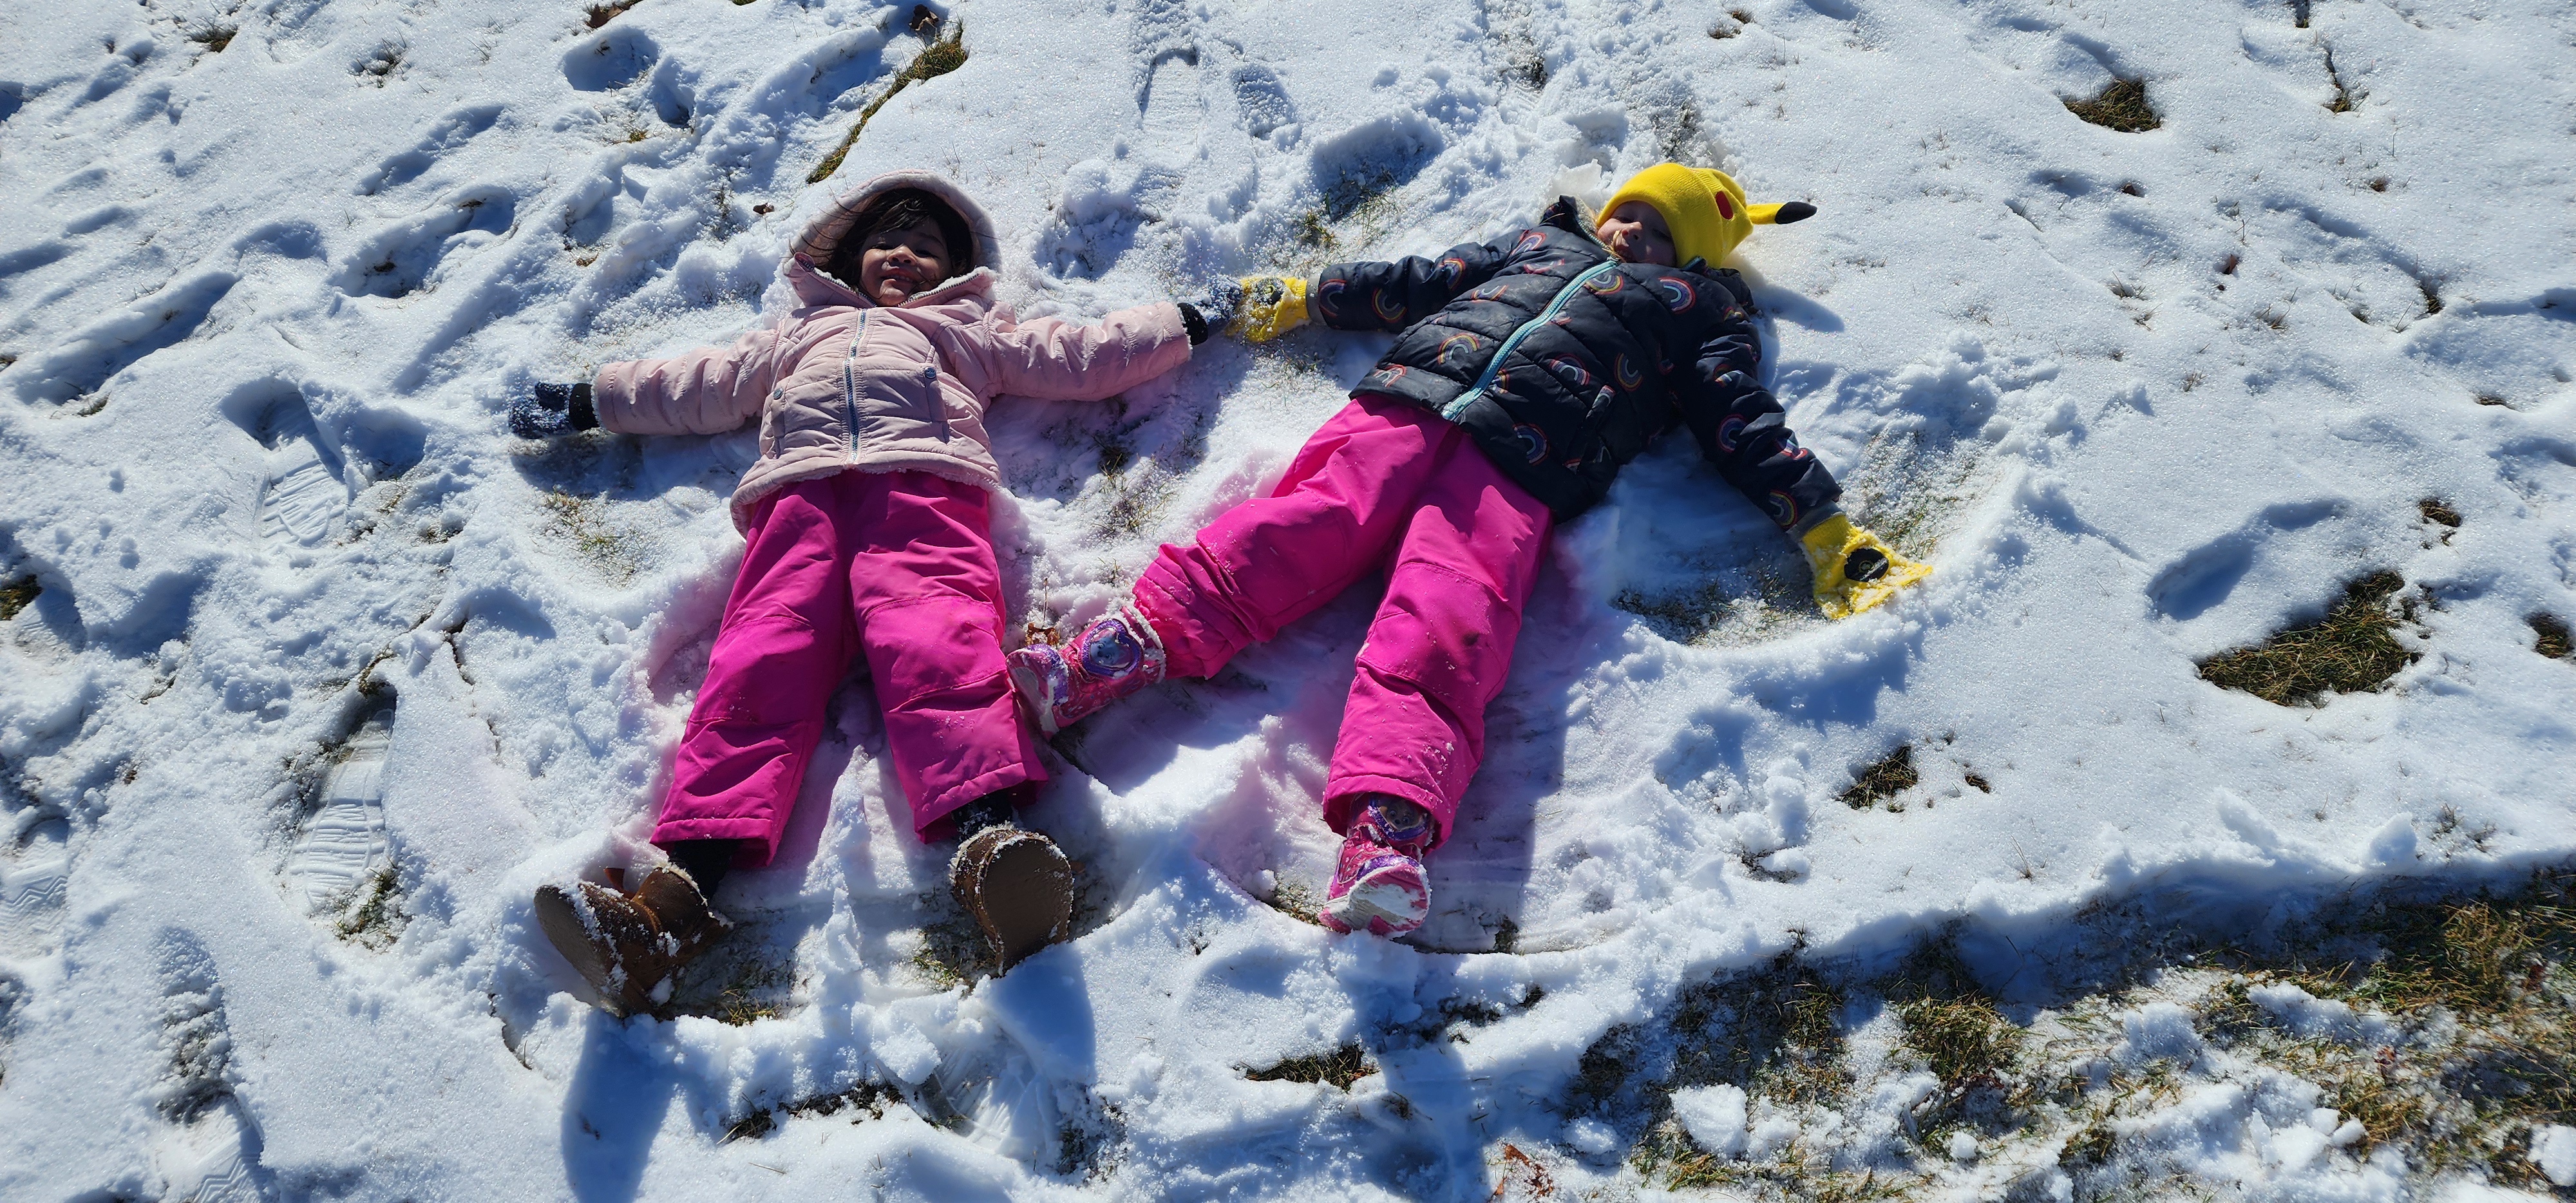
x,y
1527,371
867,521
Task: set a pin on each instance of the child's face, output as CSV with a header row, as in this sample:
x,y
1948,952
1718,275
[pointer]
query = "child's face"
x,y
897,265
1636,233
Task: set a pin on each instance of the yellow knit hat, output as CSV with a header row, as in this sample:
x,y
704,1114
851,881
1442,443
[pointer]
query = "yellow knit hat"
x,y
1703,208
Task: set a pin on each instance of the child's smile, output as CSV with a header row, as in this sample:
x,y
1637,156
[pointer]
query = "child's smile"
x,y
898,265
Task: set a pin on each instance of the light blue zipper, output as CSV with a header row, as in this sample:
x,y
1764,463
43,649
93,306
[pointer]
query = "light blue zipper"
x,y
850,386
1494,367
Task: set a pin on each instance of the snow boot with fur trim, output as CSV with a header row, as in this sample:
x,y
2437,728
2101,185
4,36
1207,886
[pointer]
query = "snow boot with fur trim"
x,y
628,946
1018,886
1379,887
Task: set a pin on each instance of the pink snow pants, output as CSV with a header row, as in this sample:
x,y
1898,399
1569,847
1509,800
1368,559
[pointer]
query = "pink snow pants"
x,y
1382,484
895,565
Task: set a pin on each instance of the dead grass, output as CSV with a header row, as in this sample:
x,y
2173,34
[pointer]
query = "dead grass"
x,y
1338,1068
936,59
2438,511
17,595
2549,633
378,919
2472,1042
602,14
2352,650
1964,1041
2121,106
2343,98
2480,992
1893,774
584,522
213,37
864,1102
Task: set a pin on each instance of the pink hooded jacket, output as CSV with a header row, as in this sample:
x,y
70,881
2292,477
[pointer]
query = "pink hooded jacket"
x,y
845,384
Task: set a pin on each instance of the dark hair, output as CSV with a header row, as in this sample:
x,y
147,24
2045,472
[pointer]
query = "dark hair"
x,y
902,209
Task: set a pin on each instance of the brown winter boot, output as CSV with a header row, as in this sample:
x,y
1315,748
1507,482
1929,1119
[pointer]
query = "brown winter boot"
x,y
627,946
1018,886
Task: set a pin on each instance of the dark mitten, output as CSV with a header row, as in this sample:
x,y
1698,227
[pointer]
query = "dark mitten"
x,y
548,410
1209,314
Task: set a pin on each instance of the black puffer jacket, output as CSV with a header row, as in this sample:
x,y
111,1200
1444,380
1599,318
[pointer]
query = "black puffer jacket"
x,y
1564,362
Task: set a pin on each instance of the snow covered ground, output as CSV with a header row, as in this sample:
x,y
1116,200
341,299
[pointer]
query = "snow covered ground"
x,y
311,674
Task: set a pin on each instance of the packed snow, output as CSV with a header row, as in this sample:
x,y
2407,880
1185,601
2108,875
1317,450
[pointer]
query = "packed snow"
x,y
323,673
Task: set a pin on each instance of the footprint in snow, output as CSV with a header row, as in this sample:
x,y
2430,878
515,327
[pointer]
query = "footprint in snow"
x,y
304,494
34,884
406,256
79,367
207,1147
447,136
342,851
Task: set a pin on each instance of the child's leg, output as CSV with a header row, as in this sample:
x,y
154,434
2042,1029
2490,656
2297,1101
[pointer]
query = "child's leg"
x,y
1275,559
928,598
780,651
1441,643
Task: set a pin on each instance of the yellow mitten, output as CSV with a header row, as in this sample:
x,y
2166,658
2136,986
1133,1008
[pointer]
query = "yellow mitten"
x,y
1855,571
1272,306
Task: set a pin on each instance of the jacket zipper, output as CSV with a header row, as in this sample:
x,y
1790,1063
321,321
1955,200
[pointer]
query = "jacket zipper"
x,y
1494,366
938,404
850,387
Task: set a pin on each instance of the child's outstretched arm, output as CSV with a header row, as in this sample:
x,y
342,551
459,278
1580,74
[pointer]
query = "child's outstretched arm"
x,y
1745,434
1364,296
1054,360
707,391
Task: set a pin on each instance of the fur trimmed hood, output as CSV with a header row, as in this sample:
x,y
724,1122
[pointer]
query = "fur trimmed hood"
x,y
823,234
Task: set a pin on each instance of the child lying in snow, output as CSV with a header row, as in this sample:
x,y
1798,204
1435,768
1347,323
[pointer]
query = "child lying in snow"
x,y
867,524
1529,369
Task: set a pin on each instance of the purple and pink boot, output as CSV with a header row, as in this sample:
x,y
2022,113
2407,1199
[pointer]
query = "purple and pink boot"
x,y
1114,656
1380,888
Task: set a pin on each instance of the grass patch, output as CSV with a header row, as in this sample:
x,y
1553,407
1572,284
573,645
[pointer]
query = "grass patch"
x,y
1964,1041
1517,47
2549,636
583,521
213,37
2437,511
2121,106
17,595
2342,102
2352,650
378,919
1338,1069
1893,774
1297,900
2461,1038
864,1102
936,59
952,951
2485,1008
602,14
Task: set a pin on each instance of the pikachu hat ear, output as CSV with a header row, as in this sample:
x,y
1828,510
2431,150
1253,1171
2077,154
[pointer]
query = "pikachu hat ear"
x,y
1705,209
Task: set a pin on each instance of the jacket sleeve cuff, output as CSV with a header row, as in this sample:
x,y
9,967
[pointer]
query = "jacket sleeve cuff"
x,y
611,395
1809,520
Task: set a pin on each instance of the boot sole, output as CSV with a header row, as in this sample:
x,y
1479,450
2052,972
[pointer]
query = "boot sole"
x,y
560,918
1022,897
1366,908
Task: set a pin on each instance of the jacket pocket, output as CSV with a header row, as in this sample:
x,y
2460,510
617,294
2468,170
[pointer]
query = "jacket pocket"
x,y
901,401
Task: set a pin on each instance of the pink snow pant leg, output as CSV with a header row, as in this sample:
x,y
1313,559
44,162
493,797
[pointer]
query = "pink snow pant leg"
x,y
897,566
1382,484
